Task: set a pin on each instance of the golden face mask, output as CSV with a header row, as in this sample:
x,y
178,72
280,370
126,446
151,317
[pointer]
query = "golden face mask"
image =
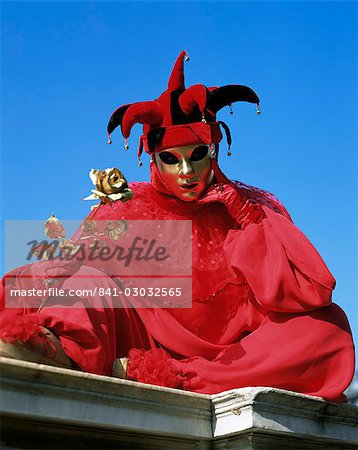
x,y
185,171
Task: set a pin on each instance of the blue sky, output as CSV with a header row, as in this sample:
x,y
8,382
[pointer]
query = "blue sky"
x,y
67,65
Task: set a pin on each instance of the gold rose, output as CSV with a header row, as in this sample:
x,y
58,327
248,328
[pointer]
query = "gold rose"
x,y
111,186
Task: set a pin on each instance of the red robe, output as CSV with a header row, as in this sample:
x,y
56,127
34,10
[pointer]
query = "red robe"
x,y
261,310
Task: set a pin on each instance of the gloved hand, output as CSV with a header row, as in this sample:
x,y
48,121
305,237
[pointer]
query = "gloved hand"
x,y
243,210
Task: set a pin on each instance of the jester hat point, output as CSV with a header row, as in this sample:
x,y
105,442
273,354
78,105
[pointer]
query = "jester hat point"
x,y
180,116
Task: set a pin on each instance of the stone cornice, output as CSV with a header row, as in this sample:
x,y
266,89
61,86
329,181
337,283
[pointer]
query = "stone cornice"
x,y
67,399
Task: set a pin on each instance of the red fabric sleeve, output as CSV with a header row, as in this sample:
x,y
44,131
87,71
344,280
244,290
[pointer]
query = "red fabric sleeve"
x,y
309,353
283,269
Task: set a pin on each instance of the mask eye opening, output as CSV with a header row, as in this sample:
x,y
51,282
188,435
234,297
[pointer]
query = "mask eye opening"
x,y
168,158
199,153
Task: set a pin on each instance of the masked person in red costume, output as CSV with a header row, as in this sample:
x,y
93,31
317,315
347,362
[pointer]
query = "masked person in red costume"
x,y
261,310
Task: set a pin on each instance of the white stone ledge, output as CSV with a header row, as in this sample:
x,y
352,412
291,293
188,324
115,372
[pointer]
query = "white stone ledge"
x,y
284,413
83,399
39,402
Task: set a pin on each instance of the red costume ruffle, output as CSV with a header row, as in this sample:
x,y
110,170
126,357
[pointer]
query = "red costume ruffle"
x,y
154,367
18,327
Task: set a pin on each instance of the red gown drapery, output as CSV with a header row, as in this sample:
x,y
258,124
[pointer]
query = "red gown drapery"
x,y
261,311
